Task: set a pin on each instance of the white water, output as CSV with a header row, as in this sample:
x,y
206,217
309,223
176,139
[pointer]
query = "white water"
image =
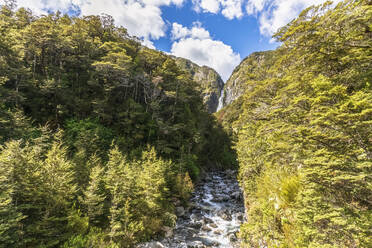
x,y
220,100
215,217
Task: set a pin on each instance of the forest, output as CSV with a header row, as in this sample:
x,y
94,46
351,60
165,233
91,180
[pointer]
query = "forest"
x,y
303,132
100,137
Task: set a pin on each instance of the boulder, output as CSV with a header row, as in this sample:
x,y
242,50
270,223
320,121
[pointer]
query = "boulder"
x,y
180,211
225,215
168,231
206,228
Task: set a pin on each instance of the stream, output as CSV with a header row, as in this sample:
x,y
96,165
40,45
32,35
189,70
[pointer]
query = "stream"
x,y
214,218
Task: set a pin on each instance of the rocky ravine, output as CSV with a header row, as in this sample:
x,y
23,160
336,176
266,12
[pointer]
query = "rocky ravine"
x,y
213,219
208,79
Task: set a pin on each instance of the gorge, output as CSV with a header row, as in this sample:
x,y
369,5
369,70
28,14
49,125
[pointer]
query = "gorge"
x,y
105,142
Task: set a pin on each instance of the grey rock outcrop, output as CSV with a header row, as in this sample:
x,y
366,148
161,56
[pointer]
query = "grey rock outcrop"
x,y
207,78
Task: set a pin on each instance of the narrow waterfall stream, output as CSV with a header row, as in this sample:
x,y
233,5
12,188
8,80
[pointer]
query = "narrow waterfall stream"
x,y
220,100
216,213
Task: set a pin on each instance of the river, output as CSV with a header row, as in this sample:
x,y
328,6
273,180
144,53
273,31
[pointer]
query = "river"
x,y
214,218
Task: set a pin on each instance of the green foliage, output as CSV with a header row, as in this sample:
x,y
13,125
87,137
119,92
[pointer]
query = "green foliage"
x,y
304,134
81,102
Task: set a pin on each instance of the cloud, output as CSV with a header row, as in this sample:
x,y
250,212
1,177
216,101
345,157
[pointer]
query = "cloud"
x,y
179,31
229,8
274,14
255,6
232,9
212,6
196,44
271,14
142,18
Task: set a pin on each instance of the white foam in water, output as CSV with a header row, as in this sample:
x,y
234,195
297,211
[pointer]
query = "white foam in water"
x,y
215,218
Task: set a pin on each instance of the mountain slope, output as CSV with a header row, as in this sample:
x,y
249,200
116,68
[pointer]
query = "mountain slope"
x,y
252,68
100,138
209,80
303,131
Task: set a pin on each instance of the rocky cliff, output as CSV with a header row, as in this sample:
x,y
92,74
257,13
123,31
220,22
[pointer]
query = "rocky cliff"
x,y
209,80
252,68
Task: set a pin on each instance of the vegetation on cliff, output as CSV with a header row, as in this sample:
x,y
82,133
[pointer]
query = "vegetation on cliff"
x,y
99,136
209,81
304,134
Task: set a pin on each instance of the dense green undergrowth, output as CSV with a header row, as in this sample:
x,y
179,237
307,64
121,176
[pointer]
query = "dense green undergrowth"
x,y
304,131
100,137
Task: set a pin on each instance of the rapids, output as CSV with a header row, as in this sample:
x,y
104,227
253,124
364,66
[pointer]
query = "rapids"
x,y
213,219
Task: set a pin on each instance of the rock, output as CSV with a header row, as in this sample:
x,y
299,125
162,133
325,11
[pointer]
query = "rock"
x,y
237,195
154,244
230,173
225,215
196,216
206,228
191,207
196,244
206,220
218,232
240,216
213,225
233,238
180,211
208,79
168,231
196,225
209,242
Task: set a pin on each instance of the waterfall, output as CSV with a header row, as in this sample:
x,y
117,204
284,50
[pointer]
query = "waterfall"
x,y
220,100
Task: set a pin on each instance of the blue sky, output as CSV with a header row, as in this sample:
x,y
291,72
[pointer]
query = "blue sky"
x,y
242,34
216,33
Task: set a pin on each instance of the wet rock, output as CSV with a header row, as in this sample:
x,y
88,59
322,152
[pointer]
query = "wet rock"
x,y
233,238
195,225
196,244
154,244
206,228
237,195
225,215
240,216
180,211
213,225
209,242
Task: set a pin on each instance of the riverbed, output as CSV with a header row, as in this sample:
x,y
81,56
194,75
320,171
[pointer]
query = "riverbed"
x,y
214,218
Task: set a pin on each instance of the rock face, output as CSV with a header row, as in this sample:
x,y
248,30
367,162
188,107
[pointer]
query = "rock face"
x,y
209,80
215,218
250,69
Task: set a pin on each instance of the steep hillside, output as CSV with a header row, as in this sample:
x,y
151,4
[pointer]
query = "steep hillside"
x,y
246,76
100,138
303,132
253,68
209,80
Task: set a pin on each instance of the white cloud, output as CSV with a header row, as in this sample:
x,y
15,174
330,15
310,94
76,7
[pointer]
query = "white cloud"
x,y
212,6
274,14
196,44
229,8
232,9
254,6
271,14
142,18
179,31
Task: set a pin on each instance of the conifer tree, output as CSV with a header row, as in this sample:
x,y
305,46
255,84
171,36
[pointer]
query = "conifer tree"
x,y
95,198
